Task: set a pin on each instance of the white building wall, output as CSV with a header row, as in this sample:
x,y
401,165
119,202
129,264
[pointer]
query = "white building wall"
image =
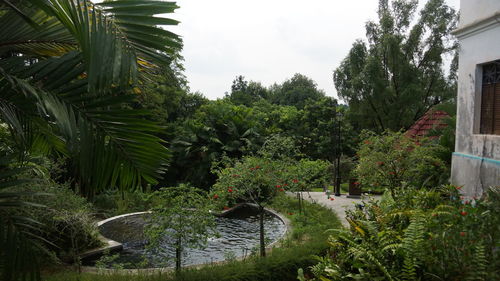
x,y
476,161
474,10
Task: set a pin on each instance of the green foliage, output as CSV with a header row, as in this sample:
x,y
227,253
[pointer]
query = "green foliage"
x,y
246,93
20,246
217,129
252,180
296,91
401,64
68,70
114,202
66,96
66,218
392,160
278,147
306,174
423,235
182,216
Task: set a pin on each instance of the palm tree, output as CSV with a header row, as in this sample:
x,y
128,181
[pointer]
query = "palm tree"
x,y
67,67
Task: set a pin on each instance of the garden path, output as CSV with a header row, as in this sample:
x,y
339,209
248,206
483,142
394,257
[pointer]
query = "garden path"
x,y
338,205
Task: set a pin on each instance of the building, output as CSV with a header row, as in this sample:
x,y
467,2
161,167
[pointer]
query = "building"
x,y
476,160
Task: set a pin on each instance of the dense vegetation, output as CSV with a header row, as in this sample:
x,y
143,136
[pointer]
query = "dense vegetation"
x,y
422,234
97,119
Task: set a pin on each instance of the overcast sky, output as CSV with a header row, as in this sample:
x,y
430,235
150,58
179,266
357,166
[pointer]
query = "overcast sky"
x,y
268,40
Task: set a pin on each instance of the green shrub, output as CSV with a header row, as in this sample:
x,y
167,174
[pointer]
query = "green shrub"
x,y
423,235
251,180
66,219
311,173
114,202
392,160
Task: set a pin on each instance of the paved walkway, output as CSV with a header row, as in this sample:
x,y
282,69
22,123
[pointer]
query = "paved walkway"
x,y
339,204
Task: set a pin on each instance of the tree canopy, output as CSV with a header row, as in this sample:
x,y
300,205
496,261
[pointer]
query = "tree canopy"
x,y
396,75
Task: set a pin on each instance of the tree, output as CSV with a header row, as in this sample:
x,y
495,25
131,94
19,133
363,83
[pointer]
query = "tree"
x,y
216,130
181,216
251,180
397,75
246,92
68,67
296,91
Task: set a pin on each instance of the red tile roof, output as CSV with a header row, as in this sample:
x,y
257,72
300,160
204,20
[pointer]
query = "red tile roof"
x,y
431,119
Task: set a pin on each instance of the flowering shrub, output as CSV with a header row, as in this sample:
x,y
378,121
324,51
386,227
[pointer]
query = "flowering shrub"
x,y
392,160
306,174
251,180
423,234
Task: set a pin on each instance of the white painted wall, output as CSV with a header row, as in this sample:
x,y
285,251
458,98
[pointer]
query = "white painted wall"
x,y
476,163
474,10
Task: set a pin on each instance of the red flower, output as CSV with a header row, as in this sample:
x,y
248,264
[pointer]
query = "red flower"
x,y
462,233
463,213
278,186
216,196
458,187
230,189
331,198
286,184
356,183
367,142
380,163
257,167
281,189
290,213
251,169
392,173
295,180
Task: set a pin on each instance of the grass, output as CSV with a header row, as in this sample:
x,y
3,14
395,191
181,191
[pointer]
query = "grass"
x,y
297,251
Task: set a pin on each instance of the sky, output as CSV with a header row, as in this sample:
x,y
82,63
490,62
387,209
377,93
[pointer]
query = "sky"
x,y
268,41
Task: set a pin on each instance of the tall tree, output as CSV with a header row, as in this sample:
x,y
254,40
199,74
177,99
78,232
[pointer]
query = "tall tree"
x,y
397,75
296,91
246,92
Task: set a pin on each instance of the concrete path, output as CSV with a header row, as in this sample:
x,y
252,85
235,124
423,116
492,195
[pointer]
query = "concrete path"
x,y
339,204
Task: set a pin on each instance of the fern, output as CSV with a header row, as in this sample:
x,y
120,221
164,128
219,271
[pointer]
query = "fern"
x,y
479,264
412,246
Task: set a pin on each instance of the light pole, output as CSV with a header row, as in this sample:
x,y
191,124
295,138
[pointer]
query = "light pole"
x,y
339,152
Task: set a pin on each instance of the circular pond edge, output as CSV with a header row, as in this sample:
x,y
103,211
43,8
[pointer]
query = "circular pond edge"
x,y
111,246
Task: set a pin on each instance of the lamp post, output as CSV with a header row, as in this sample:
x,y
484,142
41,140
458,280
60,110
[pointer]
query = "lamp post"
x,y
339,152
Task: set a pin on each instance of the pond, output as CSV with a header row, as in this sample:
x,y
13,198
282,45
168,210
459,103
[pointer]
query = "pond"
x,y
238,237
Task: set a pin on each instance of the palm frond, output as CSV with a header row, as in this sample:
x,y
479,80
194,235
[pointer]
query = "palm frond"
x,y
78,80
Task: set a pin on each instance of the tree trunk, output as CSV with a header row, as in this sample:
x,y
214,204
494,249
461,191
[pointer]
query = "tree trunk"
x,y
178,252
262,242
299,197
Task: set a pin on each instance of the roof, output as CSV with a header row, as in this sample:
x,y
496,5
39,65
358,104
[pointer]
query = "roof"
x,y
432,119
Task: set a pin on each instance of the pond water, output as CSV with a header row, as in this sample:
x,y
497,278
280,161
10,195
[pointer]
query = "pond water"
x,y
238,237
